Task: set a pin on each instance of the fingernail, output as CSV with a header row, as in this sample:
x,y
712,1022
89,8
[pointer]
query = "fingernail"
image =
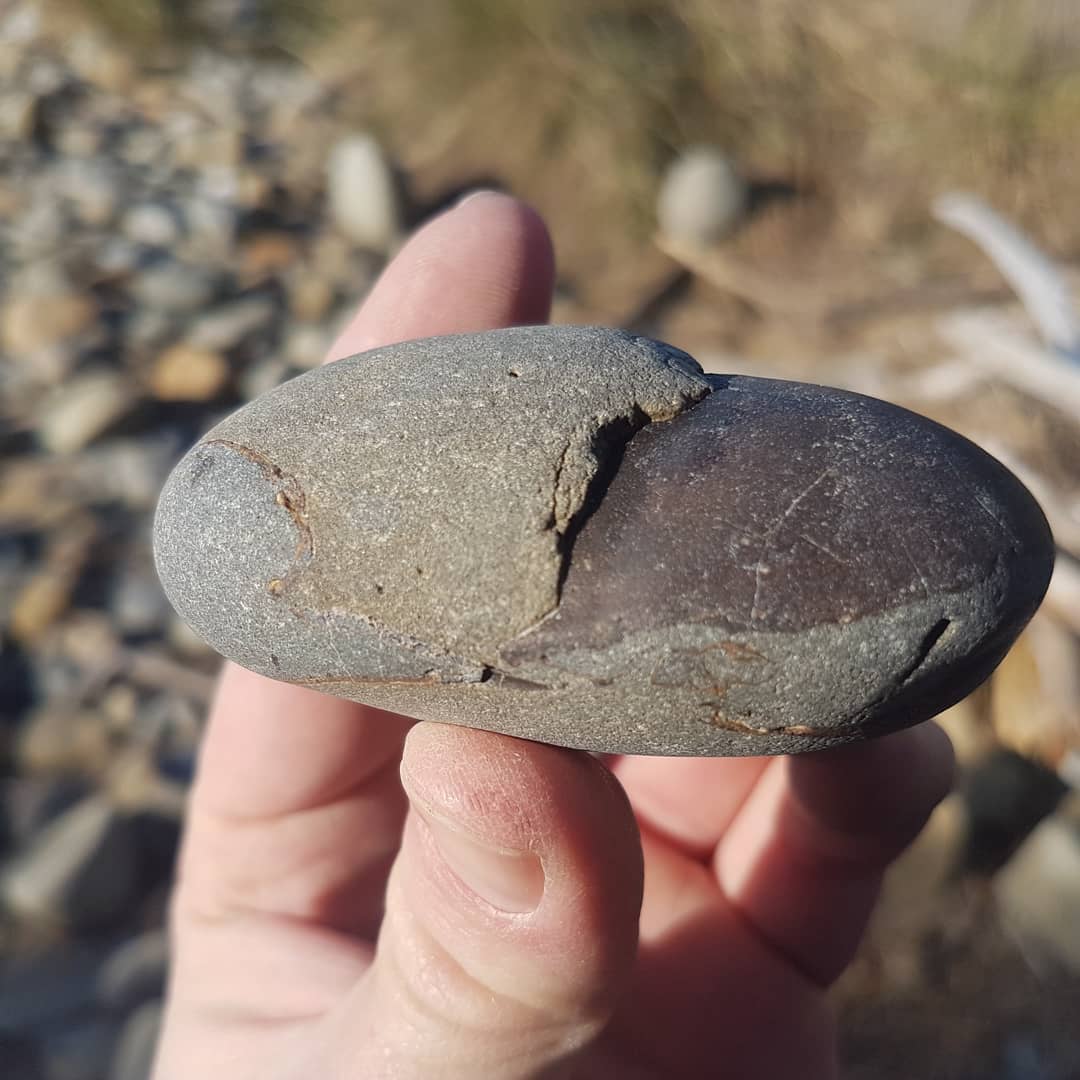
x,y
507,879
480,193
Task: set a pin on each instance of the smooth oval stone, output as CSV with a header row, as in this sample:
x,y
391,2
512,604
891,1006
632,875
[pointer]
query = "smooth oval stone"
x,y
573,535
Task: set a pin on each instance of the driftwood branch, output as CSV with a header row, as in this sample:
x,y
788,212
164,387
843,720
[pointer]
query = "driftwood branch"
x,y
992,344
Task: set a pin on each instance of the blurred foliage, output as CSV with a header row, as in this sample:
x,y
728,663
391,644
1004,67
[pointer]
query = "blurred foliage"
x,y
898,96
166,25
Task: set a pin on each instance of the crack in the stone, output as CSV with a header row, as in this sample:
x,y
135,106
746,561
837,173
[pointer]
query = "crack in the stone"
x,y
289,495
608,446
926,647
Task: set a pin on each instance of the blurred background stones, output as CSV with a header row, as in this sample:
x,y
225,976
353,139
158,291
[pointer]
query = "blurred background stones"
x,y
194,197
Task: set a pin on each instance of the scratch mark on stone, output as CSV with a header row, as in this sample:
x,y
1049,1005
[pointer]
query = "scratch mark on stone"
x,y
977,496
821,547
332,638
915,566
773,531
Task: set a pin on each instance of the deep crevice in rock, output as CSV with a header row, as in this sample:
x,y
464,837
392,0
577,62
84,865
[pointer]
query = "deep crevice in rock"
x,y
608,444
926,647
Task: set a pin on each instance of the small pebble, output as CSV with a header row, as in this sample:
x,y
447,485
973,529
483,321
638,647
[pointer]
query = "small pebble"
x,y
310,296
363,193
230,324
134,972
133,1058
80,871
173,286
56,740
137,604
153,224
211,228
702,198
263,375
307,346
35,321
29,803
266,254
185,372
1039,890
16,115
43,990
39,603
92,189
76,414
81,1048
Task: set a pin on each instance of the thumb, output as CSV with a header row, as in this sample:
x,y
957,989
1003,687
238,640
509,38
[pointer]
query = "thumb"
x,y
511,917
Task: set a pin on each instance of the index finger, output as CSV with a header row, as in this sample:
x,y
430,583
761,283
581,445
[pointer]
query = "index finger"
x,y
272,748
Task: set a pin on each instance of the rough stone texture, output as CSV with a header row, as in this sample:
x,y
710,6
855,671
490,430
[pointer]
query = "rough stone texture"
x,y
476,455
488,530
794,563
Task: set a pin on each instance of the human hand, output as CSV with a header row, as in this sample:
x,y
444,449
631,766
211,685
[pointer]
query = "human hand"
x,y
360,897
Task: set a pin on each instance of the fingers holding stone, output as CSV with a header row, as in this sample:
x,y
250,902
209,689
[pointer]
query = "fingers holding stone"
x,y
804,858
317,748
297,808
512,910
688,801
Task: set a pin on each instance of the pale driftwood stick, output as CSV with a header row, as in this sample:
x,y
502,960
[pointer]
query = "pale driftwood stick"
x,y
994,345
850,300
1038,281
939,383
920,299
764,291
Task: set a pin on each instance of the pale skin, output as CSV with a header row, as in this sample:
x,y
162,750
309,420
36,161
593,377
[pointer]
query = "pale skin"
x,y
362,897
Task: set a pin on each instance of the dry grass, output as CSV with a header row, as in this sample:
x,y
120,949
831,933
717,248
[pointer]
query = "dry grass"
x,y
871,105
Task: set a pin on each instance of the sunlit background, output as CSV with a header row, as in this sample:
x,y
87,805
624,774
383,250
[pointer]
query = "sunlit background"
x,y
194,195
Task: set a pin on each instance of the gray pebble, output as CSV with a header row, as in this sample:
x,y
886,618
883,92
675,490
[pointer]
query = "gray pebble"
x,y
135,972
150,328
133,1058
573,535
174,287
16,115
77,413
211,228
138,605
152,223
144,145
227,326
29,803
92,188
81,1049
80,871
1038,891
43,990
263,375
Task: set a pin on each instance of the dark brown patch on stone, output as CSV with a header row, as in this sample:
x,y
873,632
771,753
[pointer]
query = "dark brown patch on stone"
x,y
775,507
